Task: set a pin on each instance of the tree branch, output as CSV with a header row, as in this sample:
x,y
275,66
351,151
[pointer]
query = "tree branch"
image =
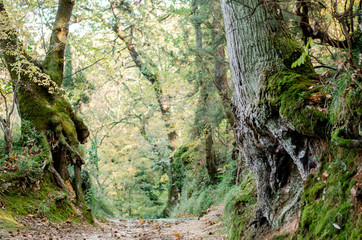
x,y
54,60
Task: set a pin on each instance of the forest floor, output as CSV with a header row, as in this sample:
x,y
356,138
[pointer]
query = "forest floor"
x,y
207,227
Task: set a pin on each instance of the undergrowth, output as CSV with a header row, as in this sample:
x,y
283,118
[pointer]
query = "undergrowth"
x,y
26,187
198,194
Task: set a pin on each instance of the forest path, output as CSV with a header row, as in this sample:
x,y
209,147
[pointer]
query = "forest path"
x,y
206,227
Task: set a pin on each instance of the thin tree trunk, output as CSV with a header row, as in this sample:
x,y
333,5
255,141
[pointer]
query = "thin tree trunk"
x,y
211,163
8,140
78,183
202,118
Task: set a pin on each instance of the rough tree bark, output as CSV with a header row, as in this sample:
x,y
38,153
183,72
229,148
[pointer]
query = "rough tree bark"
x,y
274,122
164,106
39,101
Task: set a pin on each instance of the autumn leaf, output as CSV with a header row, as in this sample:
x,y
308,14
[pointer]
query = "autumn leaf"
x,y
177,235
317,97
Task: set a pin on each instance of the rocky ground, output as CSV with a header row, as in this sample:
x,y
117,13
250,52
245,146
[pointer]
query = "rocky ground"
x,y
206,227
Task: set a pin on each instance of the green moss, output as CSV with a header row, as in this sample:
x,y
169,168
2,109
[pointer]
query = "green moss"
x,y
7,221
328,206
288,93
283,236
49,201
87,213
240,208
50,112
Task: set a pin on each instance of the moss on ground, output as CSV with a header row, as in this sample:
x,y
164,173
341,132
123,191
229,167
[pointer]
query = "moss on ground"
x,y
240,208
7,221
328,210
48,201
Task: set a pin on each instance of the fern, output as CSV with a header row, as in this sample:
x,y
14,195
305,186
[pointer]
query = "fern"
x,y
304,55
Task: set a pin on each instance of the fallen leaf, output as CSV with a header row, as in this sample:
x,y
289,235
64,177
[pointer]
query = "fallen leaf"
x,y
336,226
176,235
317,97
142,220
353,191
324,176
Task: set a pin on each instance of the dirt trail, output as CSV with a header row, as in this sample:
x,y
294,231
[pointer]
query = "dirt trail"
x,y
207,227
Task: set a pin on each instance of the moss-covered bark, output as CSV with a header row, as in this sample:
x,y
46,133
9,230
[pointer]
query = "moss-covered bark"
x,y
39,99
283,130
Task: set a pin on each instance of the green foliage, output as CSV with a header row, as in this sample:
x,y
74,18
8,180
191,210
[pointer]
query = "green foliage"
x,y
301,60
28,158
95,194
198,195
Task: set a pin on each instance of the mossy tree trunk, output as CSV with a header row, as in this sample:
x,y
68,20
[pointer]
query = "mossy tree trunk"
x,y
39,98
274,124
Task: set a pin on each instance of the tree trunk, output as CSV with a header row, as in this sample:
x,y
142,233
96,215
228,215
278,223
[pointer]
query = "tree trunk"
x,y
221,81
273,125
8,140
39,99
78,183
202,118
211,163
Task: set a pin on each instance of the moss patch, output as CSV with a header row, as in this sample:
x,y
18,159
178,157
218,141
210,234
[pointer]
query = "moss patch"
x,y
48,201
240,208
288,93
327,205
289,51
7,221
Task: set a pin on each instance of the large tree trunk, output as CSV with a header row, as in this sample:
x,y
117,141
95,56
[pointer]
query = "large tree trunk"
x,y
40,101
274,127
